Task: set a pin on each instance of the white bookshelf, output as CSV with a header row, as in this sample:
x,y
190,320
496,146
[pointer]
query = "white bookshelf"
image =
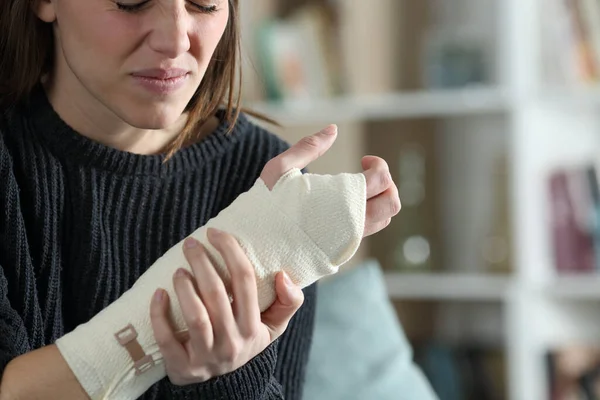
x,y
575,288
541,126
551,126
389,106
578,96
447,286
484,287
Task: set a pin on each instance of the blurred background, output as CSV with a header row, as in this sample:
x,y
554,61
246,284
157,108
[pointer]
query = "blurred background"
x,y
487,112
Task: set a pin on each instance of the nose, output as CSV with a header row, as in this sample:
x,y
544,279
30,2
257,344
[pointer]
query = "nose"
x,y
170,33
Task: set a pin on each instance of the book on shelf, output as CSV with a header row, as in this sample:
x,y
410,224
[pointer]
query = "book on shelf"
x,y
299,54
496,249
574,216
455,52
463,372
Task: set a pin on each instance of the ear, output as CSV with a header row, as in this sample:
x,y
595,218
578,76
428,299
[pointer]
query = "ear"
x,y
44,9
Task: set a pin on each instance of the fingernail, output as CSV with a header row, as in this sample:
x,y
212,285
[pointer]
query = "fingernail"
x,y
158,295
190,243
287,280
216,232
181,273
330,130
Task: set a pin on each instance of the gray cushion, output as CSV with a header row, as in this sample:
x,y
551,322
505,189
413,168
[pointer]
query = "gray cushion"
x,y
359,348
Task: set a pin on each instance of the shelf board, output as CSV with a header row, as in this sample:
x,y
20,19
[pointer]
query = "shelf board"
x,y
446,286
576,287
418,104
579,95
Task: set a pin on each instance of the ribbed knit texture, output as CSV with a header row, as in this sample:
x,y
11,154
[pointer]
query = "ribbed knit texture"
x,y
80,222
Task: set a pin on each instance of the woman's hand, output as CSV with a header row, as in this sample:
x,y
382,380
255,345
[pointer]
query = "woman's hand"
x,y
222,335
383,201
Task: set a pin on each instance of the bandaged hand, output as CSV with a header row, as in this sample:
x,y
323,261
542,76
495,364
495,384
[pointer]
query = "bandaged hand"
x,y
383,201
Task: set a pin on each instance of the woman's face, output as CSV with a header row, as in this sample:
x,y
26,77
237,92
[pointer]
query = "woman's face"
x,y
139,60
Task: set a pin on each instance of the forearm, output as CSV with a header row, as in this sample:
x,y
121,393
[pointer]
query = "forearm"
x,y
293,222
40,374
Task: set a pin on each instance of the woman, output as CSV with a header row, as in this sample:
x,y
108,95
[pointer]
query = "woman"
x,y
114,146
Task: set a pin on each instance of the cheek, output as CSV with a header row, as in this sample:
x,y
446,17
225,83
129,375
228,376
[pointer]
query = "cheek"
x,y
208,34
95,42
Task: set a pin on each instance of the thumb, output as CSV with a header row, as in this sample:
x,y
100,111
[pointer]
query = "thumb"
x,y
289,299
299,155
368,161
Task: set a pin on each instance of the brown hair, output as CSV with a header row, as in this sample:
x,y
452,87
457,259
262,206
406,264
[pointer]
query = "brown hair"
x,y
27,49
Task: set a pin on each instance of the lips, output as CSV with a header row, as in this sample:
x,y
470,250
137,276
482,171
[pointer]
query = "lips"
x,y
161,81
162,74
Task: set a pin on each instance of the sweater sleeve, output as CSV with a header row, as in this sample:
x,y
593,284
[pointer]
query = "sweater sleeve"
x,y
13,335
14,339
294,347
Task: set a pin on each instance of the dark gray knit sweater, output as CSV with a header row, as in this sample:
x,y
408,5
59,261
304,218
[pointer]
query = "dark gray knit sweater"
x,y
80,222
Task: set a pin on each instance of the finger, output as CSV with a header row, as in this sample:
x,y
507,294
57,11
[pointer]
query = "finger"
x,y
172,350
299,155
289,299
383,206
243,281
194,312
211,288
371,229
377,175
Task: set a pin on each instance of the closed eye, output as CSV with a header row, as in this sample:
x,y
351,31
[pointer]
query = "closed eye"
x,y
131,7
138,6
